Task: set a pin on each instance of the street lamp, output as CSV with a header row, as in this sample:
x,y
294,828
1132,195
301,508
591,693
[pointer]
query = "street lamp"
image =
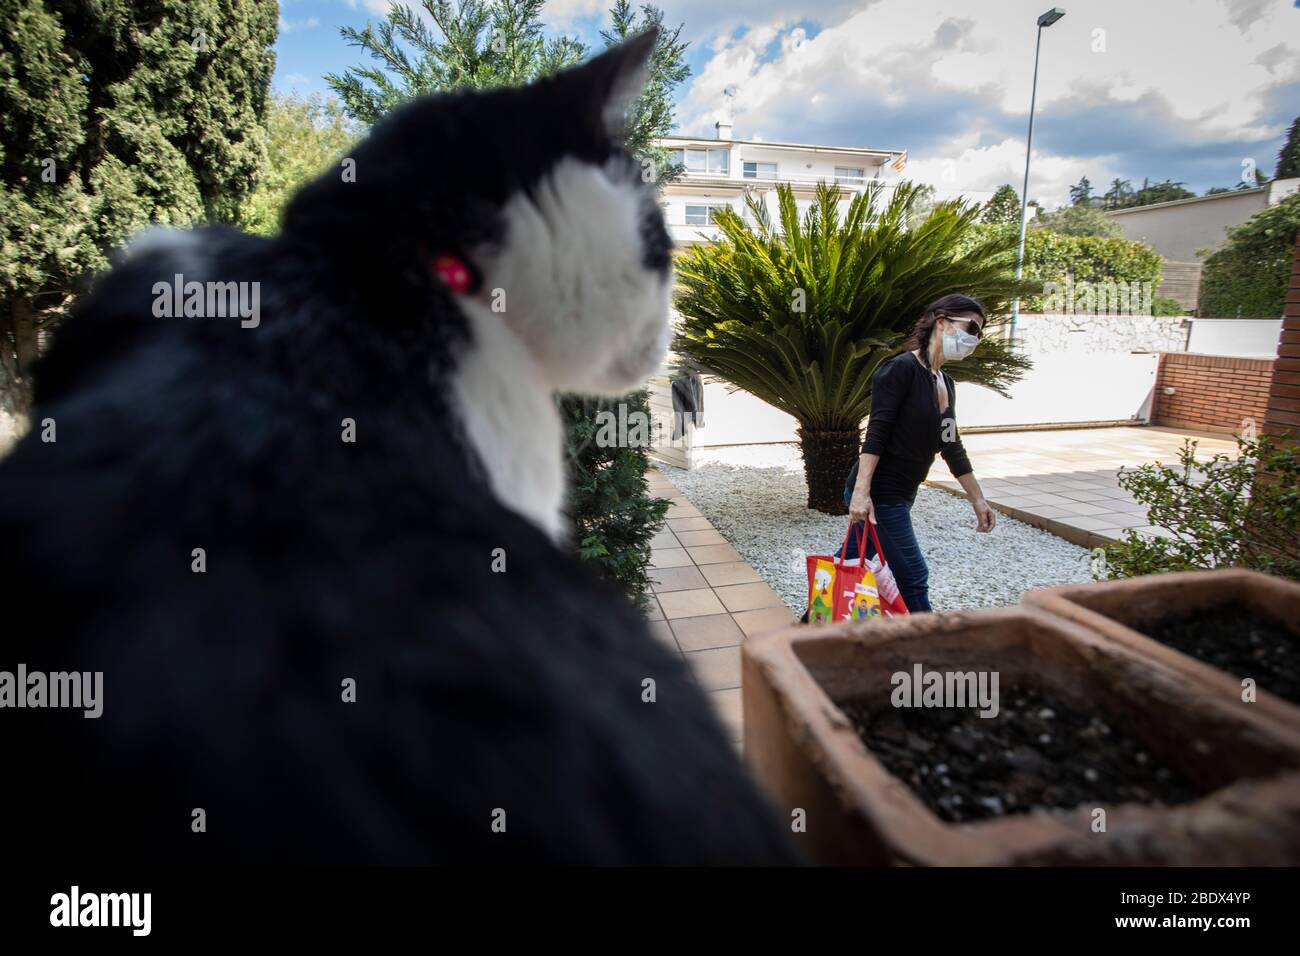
x,y
1046,20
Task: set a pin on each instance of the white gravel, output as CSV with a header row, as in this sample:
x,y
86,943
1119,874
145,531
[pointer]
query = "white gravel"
x,y
755,495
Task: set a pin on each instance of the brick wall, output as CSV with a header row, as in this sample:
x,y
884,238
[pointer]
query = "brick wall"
x,y
1283,412
1213,393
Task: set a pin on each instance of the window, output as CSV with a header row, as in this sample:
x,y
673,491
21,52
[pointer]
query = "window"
x,y
703,160
760,170
849,175
702,214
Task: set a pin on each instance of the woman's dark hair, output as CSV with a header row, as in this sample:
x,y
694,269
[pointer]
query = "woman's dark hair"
x,y
954,304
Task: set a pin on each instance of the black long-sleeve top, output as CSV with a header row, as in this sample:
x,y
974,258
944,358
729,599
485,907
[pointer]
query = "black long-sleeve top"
x,y
907,430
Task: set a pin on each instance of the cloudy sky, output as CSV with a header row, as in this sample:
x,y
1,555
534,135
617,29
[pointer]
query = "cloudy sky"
x,y
1189,90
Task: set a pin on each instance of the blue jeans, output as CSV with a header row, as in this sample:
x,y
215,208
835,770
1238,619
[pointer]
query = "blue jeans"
x,y
902,551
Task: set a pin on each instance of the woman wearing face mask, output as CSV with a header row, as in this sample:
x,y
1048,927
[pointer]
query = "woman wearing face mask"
x,y
913,416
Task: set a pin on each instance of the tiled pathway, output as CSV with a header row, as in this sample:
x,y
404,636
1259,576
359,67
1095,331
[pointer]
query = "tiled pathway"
x,y
707,600
1064,481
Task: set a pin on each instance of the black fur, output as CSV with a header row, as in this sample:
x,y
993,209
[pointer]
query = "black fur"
x,y
328,560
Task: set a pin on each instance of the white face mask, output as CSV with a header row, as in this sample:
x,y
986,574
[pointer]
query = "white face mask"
x,y
958,345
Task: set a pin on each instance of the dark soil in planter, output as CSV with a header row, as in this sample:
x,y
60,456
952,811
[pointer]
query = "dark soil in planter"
x,y
1236,639
1035,754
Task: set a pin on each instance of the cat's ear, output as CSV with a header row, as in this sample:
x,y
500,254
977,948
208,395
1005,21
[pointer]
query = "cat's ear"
x,y
617,78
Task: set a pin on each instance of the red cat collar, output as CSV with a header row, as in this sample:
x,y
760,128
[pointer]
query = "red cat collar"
x,y
455,273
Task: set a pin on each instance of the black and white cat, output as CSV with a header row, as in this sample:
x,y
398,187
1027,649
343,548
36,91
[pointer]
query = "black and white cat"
x,y
274,533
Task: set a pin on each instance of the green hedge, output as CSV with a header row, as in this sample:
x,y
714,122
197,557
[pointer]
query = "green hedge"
x,y
1056,257
613,515
1247,277
1163,305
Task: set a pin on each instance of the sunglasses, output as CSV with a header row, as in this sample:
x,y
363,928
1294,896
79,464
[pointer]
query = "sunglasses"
x,y
973,327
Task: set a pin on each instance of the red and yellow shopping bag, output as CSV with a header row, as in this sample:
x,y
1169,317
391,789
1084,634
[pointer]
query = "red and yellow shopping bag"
x,y
853,589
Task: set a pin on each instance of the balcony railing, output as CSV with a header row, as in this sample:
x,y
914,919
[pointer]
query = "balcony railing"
x,y
850,182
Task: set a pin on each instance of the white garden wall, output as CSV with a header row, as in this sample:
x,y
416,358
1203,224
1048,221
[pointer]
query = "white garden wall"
x,y
1245,338
1060,389
1087,368
738,418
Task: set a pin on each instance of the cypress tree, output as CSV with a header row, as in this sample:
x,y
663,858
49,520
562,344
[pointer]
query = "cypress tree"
x,y
1003,206
118,114
1288,159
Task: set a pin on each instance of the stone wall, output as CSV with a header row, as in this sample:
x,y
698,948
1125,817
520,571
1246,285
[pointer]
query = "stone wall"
x,y
1085,332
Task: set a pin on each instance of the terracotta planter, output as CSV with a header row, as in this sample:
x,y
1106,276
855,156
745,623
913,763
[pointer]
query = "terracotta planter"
x,y
807,755
1122,610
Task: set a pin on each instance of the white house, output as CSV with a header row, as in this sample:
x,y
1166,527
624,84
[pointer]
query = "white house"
x,y
722,171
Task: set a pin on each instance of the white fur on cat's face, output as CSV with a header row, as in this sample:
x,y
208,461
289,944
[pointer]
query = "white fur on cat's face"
x,y
574,283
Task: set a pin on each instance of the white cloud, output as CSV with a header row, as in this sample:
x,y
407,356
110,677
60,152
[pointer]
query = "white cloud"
x,y
1207,68
976,171
560,12
377,6
291,26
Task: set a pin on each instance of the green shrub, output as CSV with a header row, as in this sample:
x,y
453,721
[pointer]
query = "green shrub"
x,y
610,507
1077,221
305,135
1241,511
1003,206
1247,277
1163,305
1058,258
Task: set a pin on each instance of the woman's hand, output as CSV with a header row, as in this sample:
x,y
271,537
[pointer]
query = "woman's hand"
x,y
985,517
860,507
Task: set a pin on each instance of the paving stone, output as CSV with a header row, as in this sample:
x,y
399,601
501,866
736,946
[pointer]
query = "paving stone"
x,y
689,524
732,572
712,630
677,579
716,668
698,538
763,620
669,558
748,597
693,603
714,554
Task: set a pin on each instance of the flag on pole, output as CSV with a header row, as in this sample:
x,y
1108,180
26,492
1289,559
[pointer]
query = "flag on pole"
x,y
900,163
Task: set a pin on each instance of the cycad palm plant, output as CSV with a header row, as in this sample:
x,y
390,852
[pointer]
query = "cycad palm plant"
x,y
801,313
